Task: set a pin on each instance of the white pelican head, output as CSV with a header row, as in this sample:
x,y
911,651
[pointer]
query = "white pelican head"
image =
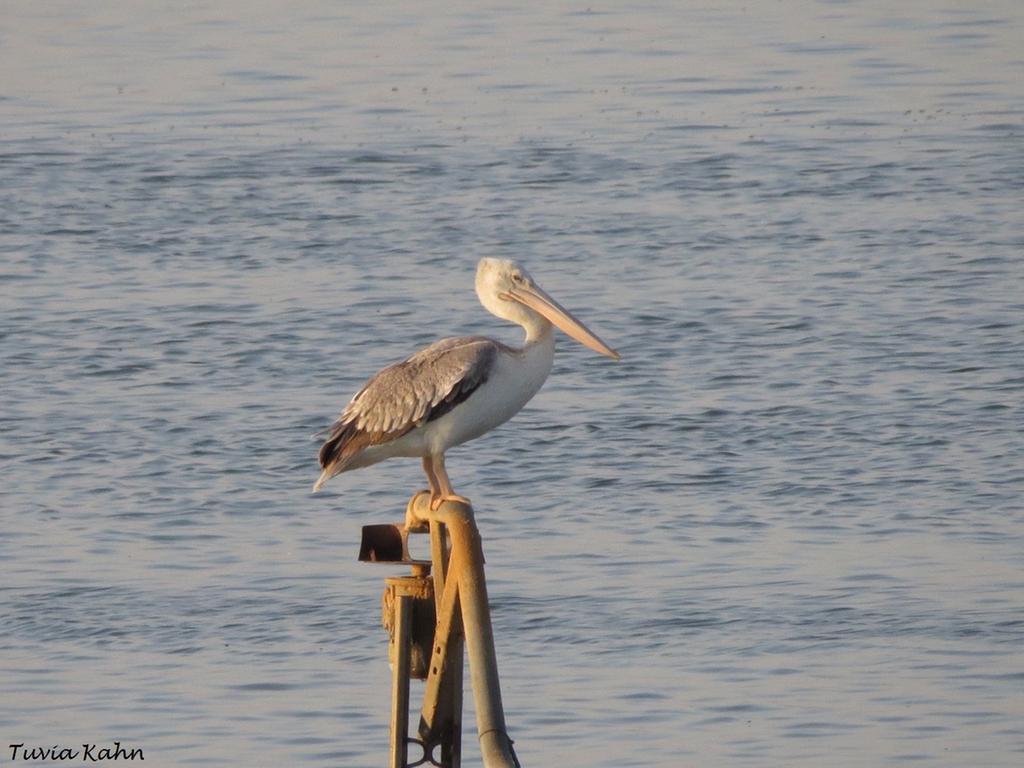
x,y
508,291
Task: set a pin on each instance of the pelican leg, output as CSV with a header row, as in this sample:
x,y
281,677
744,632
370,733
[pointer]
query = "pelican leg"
x,y
428,470
445,490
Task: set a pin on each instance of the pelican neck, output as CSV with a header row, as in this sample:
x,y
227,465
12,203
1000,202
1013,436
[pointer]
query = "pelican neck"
x,y
538,330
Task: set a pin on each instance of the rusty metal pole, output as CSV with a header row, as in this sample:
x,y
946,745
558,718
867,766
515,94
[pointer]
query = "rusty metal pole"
x,y
400,674
451,752
441,715
468,570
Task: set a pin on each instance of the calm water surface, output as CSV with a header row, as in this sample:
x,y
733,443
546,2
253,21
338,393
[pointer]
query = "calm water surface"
x,y
786,530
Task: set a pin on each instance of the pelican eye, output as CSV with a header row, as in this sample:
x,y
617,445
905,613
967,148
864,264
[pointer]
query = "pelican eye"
x,y
518,279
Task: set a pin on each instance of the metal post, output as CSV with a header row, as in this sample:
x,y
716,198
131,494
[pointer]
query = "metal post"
x,y
400,675
450,697
467,568
441,715
433,619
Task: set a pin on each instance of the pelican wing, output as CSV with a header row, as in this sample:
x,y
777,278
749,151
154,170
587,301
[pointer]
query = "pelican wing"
x,y
406,395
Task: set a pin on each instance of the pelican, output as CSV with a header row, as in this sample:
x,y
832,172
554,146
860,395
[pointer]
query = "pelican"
x,y
456,389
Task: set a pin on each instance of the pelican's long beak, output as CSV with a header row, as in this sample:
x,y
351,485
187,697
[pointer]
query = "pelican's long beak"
x,y
538,300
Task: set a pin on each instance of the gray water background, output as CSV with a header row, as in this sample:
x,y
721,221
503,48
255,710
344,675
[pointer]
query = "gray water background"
x,y
786,530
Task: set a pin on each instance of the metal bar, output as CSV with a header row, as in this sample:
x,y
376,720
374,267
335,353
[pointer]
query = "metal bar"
x,y
439,555
467,548
400,681
434,713
451,750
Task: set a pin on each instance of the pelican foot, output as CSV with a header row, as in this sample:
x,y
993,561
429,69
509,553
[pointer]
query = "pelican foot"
x,y
438,500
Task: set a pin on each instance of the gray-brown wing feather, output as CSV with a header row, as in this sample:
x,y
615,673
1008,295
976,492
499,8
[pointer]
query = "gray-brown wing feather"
x,y
408,394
